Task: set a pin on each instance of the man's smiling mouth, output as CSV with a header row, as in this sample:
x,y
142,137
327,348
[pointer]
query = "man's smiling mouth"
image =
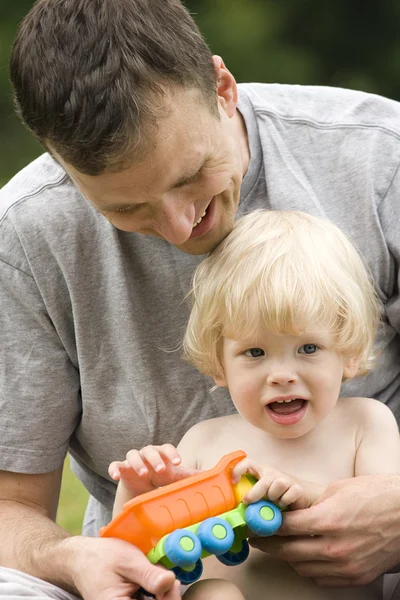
x,y
201,218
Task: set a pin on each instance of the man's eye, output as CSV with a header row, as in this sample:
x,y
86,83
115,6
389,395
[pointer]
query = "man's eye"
x,y
308,349
189,180
254,352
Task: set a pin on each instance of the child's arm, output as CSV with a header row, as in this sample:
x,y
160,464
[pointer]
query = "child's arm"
x,y
145,470
284,490
378,443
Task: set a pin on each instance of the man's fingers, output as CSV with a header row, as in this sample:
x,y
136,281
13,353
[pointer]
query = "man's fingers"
x,y
346,581
174,593
308,521
336,574
290,549
154,579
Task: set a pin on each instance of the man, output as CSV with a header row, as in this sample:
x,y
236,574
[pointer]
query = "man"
x,y
152,157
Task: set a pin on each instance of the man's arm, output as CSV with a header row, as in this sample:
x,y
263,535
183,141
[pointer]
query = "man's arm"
x,y
90,567
28,506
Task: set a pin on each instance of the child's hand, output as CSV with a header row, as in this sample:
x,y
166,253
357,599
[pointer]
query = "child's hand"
x,y
278,487
149,468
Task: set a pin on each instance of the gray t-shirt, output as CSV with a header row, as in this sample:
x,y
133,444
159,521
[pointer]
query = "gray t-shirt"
x,y
91,317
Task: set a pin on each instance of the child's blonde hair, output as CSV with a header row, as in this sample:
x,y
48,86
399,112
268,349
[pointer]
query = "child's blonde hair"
x,y
281,271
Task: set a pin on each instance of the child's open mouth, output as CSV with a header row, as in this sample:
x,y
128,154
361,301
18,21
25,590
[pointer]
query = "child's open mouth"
x,y
287,412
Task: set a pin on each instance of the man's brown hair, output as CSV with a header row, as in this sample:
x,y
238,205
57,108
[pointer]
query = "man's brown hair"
x,y
89,76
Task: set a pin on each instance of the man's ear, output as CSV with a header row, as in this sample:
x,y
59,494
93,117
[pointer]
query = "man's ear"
x,y
350,368
227,87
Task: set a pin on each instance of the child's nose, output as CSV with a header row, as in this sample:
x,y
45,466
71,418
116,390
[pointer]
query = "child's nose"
x,y
281,377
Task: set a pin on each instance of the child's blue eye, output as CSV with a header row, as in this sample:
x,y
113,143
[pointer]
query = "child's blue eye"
x,y
308,349
254,352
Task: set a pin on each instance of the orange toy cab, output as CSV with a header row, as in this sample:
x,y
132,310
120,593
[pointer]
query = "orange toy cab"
x,y
181,523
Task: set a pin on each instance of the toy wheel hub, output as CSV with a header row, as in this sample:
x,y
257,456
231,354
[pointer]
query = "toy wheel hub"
x,y
267,513
186,543
219,531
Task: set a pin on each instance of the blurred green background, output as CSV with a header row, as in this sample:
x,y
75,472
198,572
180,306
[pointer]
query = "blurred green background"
x,y
346,43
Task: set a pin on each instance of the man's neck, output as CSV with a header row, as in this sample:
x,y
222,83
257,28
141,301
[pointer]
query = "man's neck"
x,y
241,134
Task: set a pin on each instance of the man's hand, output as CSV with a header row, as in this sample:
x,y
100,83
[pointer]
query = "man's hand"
x,y
111,569
350,536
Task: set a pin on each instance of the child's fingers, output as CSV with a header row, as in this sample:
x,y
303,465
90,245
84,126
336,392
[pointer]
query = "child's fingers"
x,y
294,493
170,454
136,463
278,488
114,470
259,490
245,466
157,457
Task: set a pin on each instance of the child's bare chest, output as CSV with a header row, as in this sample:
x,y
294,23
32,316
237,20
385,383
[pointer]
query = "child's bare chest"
x,y
326,456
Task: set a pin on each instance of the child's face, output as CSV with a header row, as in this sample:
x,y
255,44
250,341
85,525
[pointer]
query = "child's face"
x,y
285,384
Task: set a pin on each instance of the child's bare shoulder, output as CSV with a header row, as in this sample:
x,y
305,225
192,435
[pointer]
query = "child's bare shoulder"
x,y
365,410
210,427
205,437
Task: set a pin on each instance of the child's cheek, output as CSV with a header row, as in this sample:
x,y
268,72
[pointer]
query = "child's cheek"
x,y
246,390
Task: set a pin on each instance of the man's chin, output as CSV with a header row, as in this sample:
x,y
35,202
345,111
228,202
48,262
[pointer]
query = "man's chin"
x,y
203,244
197,247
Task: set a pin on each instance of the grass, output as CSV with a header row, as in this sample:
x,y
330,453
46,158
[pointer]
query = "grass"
x,y
73,500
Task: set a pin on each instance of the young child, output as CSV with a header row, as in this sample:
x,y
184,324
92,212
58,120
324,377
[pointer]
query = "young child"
x,y
283,312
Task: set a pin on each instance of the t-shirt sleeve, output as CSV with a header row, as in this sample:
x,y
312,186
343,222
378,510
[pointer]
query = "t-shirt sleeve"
x,y
39,385
389,214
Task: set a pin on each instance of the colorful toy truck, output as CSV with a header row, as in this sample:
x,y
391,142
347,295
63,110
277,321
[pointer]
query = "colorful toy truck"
x,y
181,523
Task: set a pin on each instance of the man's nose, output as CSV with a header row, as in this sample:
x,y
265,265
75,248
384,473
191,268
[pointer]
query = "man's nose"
x,y
175,221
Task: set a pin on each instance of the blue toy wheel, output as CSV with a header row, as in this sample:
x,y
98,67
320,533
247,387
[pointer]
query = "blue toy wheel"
x,y
263,517
188,577
216,535
231,559
182,548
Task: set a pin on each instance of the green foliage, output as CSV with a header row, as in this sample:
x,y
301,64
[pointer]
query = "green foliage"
x,y
343,43
73,500
17,146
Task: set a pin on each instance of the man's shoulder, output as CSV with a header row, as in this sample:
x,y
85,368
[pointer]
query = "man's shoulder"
x,y
42,215
322,106
42,197
37,180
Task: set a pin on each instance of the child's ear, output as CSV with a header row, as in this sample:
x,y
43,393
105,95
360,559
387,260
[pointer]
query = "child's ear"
x,y
350,368
220,380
